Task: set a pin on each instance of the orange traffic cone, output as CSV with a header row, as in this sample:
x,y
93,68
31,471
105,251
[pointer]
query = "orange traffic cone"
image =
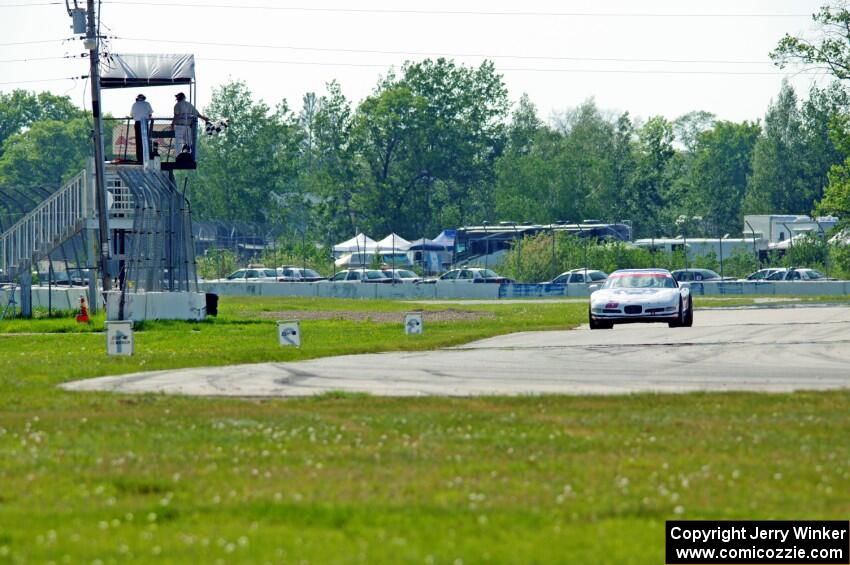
x,y
83,316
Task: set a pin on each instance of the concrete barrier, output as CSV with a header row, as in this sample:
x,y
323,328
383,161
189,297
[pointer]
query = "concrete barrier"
x,y
57,298
157,306
327,289
771,288
448,290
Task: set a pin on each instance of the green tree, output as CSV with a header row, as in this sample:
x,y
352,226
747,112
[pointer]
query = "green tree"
x,y
586,164
721,167
623,165
573,171
248,173
650,183
429,139
47,154
20,109
526,175
335,171
778,185
688,127
829,51
836,197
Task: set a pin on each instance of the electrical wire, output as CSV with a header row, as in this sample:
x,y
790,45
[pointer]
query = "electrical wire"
x,y
58,79
32,59
446,54
505,69
457,12
31,5
33,42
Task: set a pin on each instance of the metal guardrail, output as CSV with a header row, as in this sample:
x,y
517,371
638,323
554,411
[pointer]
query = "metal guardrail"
x,y
47,226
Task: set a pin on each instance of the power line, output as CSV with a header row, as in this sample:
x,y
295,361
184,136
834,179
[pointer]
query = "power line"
x,y
40,80
31,59
447,54
33,42
458,12
503,69
31,5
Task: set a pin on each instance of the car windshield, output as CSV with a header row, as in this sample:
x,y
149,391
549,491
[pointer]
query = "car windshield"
x,y
310,273
640,280
375,275
487,273
406,274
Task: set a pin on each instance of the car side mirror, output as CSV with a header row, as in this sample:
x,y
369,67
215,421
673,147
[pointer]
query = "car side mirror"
x,y
684,285
593,287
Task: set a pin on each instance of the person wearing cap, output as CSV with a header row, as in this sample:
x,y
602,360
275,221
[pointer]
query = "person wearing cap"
x,y
142,113
184,118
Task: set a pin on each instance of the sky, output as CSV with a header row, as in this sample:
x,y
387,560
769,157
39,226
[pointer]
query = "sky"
x,y
648,57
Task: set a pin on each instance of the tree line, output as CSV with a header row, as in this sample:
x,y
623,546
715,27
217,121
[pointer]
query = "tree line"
x,y
438,145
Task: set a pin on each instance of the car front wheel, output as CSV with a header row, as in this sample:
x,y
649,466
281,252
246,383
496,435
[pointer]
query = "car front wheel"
x,y
689,315
598,324
680,317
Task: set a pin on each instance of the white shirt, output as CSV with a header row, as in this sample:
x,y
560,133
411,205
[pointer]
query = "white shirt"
x,y
184,113
141,111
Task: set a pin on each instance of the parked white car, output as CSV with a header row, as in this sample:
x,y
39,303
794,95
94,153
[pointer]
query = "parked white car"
x,y
641,295
794,274
297,274
255,274
762,274
402,275
361,276
472,275
579,276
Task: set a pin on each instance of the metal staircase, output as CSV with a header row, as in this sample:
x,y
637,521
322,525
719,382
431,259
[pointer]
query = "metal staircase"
x,y
53,222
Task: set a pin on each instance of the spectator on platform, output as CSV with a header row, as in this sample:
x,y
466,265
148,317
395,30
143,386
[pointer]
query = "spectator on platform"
x,y
142,114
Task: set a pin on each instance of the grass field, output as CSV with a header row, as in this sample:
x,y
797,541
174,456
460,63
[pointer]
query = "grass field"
x,y
349,478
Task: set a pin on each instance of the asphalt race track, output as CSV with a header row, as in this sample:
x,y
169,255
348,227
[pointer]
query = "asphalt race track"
x,y
764,349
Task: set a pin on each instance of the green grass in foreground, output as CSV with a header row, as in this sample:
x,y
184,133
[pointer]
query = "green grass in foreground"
x,y
351,478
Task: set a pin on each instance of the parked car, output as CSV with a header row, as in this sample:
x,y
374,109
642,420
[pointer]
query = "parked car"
x,y
796,274
402,275
761,274
297,274
253,274
640,295
361,276
471,275
63,278
698,275
580,276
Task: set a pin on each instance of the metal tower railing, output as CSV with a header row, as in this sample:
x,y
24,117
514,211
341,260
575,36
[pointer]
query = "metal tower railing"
x,y
47,226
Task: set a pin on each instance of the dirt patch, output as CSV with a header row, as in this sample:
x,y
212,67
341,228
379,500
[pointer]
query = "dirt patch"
x,y
448,315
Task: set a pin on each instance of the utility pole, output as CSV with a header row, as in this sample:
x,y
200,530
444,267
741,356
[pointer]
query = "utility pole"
x,y
92,43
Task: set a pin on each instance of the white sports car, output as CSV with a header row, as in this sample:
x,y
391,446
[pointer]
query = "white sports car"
x,y
641,295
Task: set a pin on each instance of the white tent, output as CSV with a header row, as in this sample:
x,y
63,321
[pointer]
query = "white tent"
x,y
361,243
392,243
